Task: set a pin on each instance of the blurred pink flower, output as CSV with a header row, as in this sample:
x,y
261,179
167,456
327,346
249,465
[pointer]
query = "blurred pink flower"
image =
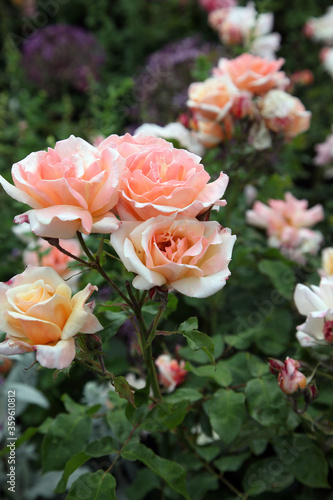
x,y
324,151
287,222
171,372
290,379
320,29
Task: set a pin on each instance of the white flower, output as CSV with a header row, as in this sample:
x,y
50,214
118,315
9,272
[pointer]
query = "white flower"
x,y
316,303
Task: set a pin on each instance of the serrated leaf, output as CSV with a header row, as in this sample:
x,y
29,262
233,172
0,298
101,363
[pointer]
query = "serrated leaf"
x,y
200,341
184,394
226,412
189,325
171,472
269,474
95,485
266,402
123,389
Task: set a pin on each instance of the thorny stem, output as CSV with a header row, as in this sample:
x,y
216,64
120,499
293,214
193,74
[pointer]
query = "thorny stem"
x,y
55,243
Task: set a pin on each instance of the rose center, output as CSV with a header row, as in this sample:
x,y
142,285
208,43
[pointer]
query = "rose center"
x,y
328,331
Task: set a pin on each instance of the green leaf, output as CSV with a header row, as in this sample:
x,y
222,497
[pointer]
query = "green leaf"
x,y
29,433
269,474
266,402
220,373
231,462
184,394
115,320
73,463
169,415
66,436
304,460
273,336
71,406
95,486
171,472
199,356
226,412
123,389
281,275
189,325
101,447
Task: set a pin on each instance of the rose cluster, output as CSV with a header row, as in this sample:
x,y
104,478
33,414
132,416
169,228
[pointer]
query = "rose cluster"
x,y
237,25
247,90
154,200
320,29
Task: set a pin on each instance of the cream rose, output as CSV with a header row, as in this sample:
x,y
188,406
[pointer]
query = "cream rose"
x,y
186,255
284,113
159,179
38,313
70,188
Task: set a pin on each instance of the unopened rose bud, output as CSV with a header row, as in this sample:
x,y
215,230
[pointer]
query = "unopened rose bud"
x,y
171,372
311,393
290,380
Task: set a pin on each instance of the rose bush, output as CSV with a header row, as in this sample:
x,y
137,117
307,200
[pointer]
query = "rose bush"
x,y
38,313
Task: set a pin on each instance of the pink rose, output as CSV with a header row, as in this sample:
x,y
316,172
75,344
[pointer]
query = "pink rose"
x,y
210,134
70,188
284,113
38,313
324,151
186,255
171,372
41,253
253,73
160,179
287,222
234,24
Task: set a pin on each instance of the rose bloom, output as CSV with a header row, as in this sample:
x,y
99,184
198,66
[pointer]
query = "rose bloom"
x,y
210,134
185,255
41,253
290,379
171,372
287,222
252,73
38,313
70,188
212,99
321,28
266,45
235,24
160,179
284,113
324,151
326,57
316,303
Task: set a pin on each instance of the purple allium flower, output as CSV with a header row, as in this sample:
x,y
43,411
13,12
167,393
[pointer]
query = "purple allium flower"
x,y
161,88
61,54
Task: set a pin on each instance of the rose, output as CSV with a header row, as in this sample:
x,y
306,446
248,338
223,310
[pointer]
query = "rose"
x,y
171,372
290,380
38,313
284,113
321,28
212,99
210,134
252,73
327,262
316,303
186,255
70,188
160,179
234,24
287,222
211,5
326,57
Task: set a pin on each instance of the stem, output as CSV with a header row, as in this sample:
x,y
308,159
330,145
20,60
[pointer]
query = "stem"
x,y
153,326
84,246
119,452
55,243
